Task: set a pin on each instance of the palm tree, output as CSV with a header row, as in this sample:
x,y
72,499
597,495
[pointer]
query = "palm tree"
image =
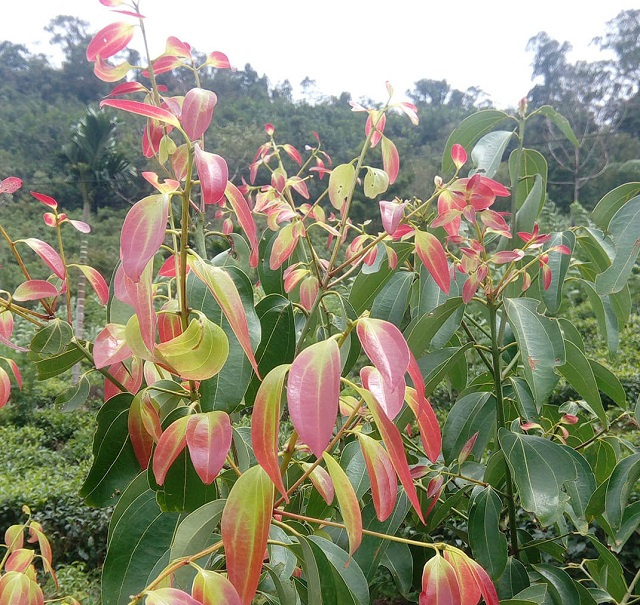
x,y
99,169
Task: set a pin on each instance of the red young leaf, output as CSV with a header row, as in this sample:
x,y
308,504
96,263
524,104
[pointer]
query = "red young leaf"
x,y
143,232
265,423
293,153
5,387
434,258
391,400
110,346
218,60
79,226
391,213
110,40
241,208
395,447
45,199
169,596
386,347
197,111
209,439
177,47
141,440
49,256
97,282
439,583
214,175
347,501
10,185
283,246
384,484
172,442
142,109
106,72
245,530
19,560
458,155
211,588
34,289
313,390
127,88
321,481
469,590
16,373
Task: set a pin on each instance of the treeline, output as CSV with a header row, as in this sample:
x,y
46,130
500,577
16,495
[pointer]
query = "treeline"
x,y
41,103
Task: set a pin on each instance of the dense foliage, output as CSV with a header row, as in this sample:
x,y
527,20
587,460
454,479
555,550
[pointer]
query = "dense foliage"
x,y
270,348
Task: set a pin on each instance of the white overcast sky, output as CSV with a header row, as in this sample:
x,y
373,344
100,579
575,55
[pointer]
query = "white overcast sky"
x,y
352,46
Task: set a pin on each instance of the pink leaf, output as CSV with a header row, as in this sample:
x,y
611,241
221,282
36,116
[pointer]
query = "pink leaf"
x,y
143,232
283,246
169,185
131,378
106,72
110,346
128,87
208,439
309,291
432,254
172,442
245,218
10,185
141,440
218,60
411,111
293,153
97,282
384,484
213,173
211,588
49,256
34,289
386,348
321,481
177,47
142,109
197,111
313,390
80,226
390,160
169,596
5,387
395,447
16,374
390,400
140,296
265,422
458,155
439,583
110,40
45,199
391,213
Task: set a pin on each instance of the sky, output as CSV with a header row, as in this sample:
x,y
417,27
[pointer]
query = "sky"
x,y
351,46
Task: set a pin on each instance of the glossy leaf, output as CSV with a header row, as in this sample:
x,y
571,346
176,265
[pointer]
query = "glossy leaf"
x,y
110,40
214,175
197,111
211,588
391,303
265,424
96,281
245,218
559,265
539,469
313,390
390,159
560,122
142,109
172,442
471,129
383,478
391,400
488,543
347,501
607,207
53,338
376,181
245,530
434,258
439,583
48,255
487,153
541,345
141,439
34,289
561,586
624,476
169,596
143,232
208,440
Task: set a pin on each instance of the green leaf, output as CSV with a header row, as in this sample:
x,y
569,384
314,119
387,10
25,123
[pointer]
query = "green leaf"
x,y
624,228
560,122
623,478
398,560
561,587
602,457
536,593
580,490
367,286
608,383
606,571
139,536
470,414
278,341
75,396
350,582
577,370
571,333
607,321
488,543
114,462
391,303
225,390
530,209
559,265
524,399
541,345
612,202
376,181
237,256
636,410
353,464
435,366
52,339
539,468
56,365
527,164
423,328
471,129
513,580
194,534
271,280
487,153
